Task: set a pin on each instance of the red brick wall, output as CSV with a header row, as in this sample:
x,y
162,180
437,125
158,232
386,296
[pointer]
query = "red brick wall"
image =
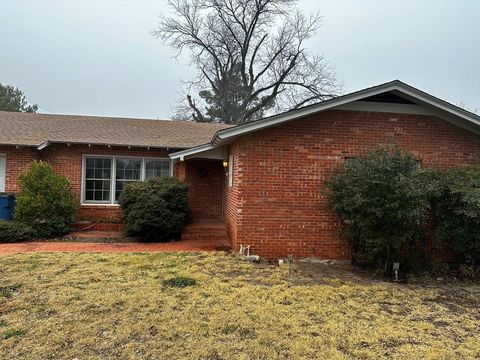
x,y
205,181
278,205
180,169
67,160
232,202
17,161
100,213
205,194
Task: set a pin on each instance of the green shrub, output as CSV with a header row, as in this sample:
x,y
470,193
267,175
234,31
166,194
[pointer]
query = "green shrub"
x,y
13,231
457,212
155,210
46,201
382,199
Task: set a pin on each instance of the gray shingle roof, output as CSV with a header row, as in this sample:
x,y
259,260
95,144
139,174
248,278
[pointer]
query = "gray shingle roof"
x,y
36,129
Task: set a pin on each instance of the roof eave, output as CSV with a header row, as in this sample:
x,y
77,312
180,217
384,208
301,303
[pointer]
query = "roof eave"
x,y
195,150
50,142
19,145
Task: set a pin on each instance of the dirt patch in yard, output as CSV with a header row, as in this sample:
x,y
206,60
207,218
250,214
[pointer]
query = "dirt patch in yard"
x,y
320,272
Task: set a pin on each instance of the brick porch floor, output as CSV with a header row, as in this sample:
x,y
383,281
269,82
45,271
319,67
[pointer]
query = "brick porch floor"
x,y
199,235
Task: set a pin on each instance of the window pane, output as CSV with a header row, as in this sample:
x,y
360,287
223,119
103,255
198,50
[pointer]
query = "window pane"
x,y
97,179
97,190
127,170
157,168
120,185
99,195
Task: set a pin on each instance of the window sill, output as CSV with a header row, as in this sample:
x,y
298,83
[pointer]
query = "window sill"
x,y
98,205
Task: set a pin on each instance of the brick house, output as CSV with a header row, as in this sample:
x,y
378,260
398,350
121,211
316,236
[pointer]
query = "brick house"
x,y
264,179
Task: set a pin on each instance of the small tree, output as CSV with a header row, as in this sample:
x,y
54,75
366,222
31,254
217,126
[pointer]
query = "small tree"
x,y
382,201
46,201
155,210
457,212
13,99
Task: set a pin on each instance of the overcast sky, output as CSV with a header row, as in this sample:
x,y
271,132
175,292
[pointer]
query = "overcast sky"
x,y
97,57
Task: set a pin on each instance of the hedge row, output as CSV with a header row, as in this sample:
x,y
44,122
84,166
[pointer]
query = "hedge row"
x,y
386,198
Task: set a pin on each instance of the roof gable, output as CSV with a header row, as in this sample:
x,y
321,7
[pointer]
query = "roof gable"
x,y
388,97
389,94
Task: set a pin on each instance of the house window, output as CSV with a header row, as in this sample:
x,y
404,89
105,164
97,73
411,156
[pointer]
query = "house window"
x,y
104,178
156,168
126,171
230,170
98,175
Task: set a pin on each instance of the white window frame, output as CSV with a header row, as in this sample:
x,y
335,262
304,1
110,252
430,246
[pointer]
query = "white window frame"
x,y
113,180
84,171
3,182
113,169
231,159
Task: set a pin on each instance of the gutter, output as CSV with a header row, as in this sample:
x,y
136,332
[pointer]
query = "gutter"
x,y
195,150
49,142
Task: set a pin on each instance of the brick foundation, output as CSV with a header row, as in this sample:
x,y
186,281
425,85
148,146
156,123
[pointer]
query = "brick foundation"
x,y
100,213
98,227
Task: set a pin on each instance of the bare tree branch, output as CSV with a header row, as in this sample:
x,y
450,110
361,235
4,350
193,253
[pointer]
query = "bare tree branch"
x,y
197,115
249,55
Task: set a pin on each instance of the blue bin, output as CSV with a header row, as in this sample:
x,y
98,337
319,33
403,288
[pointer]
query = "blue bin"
x,y
7,205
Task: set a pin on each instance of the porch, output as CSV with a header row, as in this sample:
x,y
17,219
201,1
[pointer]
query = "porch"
x,y
206,175
206,181
205,178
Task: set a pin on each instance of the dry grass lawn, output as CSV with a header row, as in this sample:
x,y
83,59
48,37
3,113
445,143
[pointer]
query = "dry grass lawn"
x,y
103,306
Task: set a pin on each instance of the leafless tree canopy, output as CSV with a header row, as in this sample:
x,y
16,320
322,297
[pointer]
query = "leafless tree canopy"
x,y
250,57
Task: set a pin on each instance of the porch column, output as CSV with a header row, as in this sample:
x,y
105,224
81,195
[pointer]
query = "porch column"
x,y
181,171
